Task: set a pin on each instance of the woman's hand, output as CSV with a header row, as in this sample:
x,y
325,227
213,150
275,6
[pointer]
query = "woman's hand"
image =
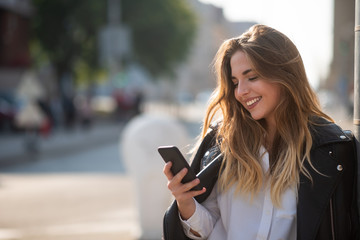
x,y
181,192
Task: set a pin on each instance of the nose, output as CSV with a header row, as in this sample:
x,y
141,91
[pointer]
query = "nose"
x,y
242,89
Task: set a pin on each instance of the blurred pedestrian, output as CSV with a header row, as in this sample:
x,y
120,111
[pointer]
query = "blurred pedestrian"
x,y
138,101
69,111
48,123
83,107
30,118
288,171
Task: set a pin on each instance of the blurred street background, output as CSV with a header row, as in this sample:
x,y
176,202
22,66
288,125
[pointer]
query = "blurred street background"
x,y
75,74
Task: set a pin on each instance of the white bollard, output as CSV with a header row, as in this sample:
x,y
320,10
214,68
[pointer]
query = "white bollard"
x,y
139,143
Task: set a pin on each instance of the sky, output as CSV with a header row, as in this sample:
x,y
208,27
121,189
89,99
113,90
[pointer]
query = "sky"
x,y
308,23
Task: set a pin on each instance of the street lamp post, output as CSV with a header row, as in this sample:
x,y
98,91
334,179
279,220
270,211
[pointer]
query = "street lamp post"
x,y
357,88
115,42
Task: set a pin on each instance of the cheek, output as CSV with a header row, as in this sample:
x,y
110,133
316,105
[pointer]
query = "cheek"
x,y
238,102
236,96
277,96
275,92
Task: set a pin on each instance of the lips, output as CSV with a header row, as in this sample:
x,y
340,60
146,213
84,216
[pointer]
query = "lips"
x,y
253,101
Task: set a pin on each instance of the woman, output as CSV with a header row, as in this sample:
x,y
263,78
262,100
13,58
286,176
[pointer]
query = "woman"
x,y
288,172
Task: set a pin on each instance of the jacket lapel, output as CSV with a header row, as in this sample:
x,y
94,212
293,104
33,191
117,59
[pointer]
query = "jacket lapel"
x,y
314,196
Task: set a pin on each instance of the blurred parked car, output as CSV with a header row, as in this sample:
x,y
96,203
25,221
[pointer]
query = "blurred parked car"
x,y
103,104
9,107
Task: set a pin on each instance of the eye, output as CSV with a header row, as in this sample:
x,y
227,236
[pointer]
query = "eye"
x,y
253,78
236,84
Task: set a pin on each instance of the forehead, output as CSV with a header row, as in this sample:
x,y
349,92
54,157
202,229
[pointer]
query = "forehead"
x,y
239,63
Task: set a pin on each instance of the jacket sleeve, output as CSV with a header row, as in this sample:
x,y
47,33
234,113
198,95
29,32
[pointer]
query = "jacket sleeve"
x,y
172,227
355,201
343,207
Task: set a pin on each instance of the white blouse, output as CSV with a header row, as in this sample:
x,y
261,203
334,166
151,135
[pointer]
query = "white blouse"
x,y
233,216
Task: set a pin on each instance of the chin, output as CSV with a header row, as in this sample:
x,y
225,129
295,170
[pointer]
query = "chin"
x,y
257,118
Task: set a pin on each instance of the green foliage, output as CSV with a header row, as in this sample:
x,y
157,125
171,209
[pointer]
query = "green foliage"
x,y
162,32
66,32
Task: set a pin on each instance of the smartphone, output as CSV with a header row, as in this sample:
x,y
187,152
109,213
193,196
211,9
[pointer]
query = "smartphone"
x,y
173,154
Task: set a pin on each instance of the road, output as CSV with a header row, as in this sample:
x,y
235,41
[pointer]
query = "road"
x,y
78,192
76,188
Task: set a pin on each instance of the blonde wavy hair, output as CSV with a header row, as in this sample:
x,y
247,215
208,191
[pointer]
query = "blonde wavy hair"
x,y
275,58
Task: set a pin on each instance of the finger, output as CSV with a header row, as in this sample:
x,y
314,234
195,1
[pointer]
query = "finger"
x,y
180,175
167,170
181,189
175,184
197,192
188,186
190,194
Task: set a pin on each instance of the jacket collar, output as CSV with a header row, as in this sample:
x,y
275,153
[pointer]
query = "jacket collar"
x,y
313,196
325,132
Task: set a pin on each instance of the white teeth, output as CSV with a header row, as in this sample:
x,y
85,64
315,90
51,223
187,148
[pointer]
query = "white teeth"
x,y
253,101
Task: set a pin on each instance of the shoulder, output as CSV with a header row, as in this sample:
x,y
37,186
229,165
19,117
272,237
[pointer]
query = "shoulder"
x,y
325,132
205,145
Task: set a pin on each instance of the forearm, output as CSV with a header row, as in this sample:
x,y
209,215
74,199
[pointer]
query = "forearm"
x,y
186,208
200,224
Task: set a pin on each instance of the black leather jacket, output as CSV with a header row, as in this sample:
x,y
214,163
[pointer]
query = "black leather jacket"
x,y
327,206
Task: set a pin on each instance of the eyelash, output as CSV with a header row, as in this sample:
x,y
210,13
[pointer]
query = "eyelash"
x,y
250,79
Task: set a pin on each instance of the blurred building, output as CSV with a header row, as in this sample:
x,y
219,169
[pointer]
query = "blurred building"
x,y
341,75
14,41
196,74
14,56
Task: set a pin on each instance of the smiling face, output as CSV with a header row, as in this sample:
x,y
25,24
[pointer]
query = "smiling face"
x,y
258,96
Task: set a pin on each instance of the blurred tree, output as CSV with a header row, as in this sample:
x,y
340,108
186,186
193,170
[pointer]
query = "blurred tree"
x,y
162,32
66,33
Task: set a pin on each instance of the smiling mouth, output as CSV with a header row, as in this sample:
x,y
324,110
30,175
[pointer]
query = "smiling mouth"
x,y
251,102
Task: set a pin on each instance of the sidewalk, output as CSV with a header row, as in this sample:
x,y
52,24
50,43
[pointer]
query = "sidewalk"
x,y
61,141
91,206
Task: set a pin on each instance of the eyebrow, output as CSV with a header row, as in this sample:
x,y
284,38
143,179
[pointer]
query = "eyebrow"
x,y
246,71
243,73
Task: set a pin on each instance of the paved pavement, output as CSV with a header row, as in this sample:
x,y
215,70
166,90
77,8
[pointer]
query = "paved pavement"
x,y
76,187
67,207
61,141
96,201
